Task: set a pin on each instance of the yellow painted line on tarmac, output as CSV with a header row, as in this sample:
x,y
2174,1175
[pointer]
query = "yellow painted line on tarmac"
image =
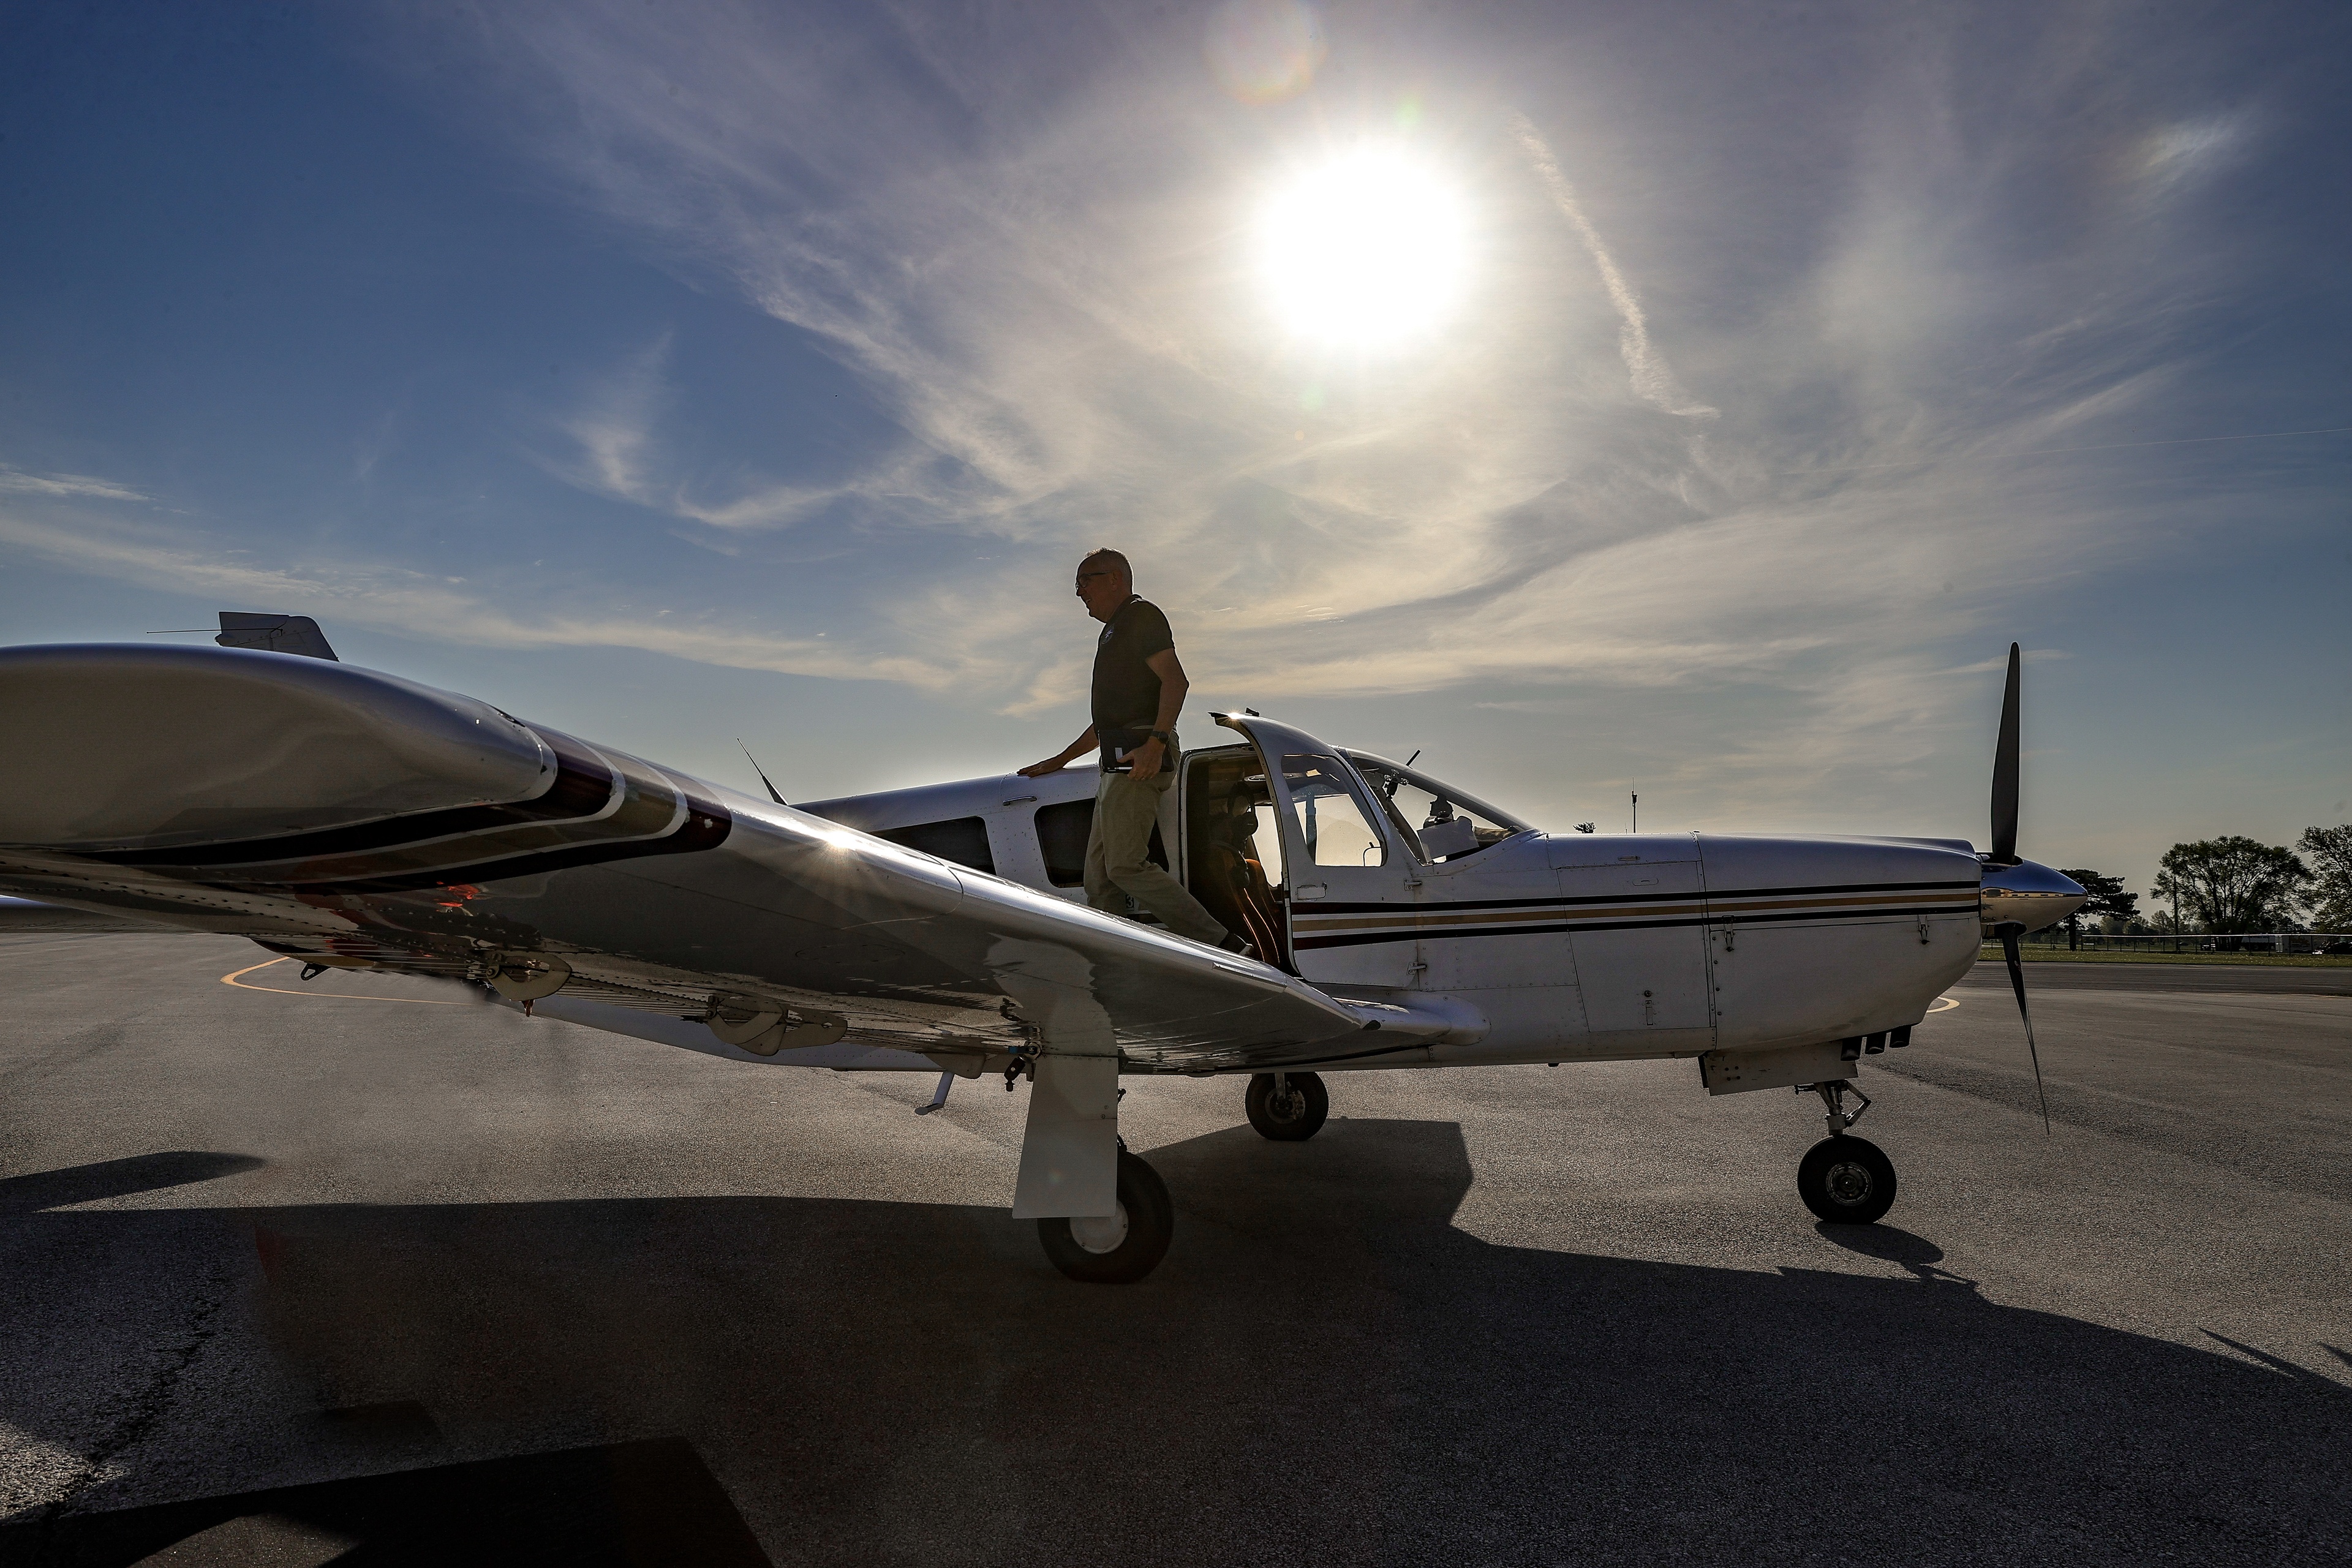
x,y
237,980
1944,1003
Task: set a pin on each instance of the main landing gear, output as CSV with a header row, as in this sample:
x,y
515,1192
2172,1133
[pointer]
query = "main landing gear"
x,y
1073,1102
1125,1246
1288,1106
1844,1180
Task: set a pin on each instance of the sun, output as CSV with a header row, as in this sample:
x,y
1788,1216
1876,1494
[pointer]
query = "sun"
x,y
1366,251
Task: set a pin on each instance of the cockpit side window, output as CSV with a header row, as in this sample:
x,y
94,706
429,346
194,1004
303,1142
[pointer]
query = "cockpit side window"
x,y
1447,824
1334,821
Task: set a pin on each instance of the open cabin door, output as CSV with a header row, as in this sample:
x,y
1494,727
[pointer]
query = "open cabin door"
x,y
1232,846
1346,885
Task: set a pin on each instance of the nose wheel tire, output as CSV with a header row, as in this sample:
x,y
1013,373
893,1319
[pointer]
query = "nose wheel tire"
x,y
1289,1113
1126,1246
1846,1181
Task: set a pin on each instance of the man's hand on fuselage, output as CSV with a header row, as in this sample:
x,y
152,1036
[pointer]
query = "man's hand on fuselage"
x,y
1069,753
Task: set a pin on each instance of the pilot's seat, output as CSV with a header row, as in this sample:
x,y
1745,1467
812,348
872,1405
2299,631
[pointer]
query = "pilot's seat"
x,y
1234,886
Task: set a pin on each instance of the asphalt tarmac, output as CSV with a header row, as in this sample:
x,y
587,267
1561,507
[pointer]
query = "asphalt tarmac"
x,y
288,1274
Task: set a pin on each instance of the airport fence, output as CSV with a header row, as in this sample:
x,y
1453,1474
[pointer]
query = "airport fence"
x,y
2335,944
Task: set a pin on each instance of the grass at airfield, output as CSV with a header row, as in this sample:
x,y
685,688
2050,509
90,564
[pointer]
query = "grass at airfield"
x,y
1991,951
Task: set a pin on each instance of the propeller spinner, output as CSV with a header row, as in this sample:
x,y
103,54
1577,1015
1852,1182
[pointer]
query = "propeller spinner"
x,y
2018,896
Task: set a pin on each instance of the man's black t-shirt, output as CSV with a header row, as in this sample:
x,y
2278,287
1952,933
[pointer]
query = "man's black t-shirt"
x,y
1127,691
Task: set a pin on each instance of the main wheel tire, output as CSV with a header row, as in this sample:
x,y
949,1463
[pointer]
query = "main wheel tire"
x,y
1126,1246
1846,1181
1289,1119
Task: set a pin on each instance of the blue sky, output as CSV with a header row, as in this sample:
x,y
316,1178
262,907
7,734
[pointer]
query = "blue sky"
x,y
676,372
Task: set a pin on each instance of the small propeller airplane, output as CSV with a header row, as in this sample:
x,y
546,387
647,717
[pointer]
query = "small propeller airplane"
x,y
353,819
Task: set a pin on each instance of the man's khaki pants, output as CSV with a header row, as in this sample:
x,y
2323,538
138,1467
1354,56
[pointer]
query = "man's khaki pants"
x,y
1117,870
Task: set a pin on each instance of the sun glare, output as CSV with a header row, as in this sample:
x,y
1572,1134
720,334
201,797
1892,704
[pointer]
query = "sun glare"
x,y
1366,251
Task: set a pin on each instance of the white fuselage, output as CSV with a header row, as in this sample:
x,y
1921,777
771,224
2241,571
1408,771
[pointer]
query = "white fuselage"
x,y
348,817
1576,946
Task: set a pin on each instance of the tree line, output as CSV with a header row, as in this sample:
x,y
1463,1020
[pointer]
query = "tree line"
x,y
2232,884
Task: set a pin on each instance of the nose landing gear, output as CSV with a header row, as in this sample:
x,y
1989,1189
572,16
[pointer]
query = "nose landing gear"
x,y
1288,1106
1844,1180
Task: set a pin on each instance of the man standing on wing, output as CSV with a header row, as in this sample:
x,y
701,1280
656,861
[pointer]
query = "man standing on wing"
x,y
1138,690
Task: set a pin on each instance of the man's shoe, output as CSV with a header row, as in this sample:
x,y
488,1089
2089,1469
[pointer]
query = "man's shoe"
x,y
1241,945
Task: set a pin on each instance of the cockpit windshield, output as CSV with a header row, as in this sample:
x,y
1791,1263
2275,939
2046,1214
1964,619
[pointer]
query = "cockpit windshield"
x,y
1445,823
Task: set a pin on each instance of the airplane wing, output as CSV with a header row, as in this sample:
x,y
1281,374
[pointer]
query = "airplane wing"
x,y
353,819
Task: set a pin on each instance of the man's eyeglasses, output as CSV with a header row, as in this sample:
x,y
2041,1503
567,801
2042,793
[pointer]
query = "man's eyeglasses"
x,y
1090,576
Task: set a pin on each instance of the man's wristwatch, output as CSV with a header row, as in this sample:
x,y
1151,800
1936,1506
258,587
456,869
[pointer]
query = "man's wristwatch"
x,y
1162,736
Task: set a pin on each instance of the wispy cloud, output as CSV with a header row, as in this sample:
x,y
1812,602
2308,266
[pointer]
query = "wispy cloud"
x,y
78,487
2190,149
416,605
1022,234
619,437
1653,382
612,430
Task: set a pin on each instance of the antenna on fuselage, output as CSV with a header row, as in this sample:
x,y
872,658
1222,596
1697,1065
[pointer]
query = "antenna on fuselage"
x,y
759,770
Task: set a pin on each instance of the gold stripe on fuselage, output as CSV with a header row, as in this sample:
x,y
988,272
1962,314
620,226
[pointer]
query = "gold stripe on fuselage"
x,y
1491,916
1840,903
1737,901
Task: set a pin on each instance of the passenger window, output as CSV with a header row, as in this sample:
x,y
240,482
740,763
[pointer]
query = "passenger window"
x,y
1334,822
963,839
1062,838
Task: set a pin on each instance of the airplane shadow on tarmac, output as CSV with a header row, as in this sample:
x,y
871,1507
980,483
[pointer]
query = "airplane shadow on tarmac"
x,y
1323,1367
117,1178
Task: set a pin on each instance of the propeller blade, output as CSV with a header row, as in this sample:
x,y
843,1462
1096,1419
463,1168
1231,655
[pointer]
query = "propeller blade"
x,y
2004,774
2008,932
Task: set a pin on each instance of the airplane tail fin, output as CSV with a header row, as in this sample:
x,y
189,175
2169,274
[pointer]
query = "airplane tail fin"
x,y
274,634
